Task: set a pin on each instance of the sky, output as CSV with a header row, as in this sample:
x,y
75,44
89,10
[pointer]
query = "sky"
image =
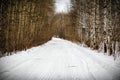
x,y
62,6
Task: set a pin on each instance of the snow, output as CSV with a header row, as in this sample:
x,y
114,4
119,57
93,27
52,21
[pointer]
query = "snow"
x,y
59,59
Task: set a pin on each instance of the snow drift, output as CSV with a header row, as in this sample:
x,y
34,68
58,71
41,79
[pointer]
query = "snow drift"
x,y
59,59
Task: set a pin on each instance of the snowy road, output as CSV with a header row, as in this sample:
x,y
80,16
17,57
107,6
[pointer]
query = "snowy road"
x,y
59,60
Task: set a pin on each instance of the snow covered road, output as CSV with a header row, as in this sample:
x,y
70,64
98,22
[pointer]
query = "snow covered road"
x,y
59,60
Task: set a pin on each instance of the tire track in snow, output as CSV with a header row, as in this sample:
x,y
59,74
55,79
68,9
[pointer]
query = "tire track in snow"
x,y
88,58
112,70
84,62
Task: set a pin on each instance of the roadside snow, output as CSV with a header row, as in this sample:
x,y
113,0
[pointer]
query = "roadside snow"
x,y
59,59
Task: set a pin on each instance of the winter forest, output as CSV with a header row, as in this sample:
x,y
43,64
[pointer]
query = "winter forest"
x,y
27,24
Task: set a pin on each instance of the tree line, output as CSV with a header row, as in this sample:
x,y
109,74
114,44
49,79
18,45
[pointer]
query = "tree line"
x,y
97,24
28,23
24,23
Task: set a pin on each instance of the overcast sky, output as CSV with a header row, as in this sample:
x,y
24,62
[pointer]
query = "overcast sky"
x,y
62,6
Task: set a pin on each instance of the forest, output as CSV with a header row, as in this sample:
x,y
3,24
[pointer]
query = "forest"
x,y
28,23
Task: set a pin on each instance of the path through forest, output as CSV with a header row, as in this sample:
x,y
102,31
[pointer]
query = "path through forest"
x,y
59,59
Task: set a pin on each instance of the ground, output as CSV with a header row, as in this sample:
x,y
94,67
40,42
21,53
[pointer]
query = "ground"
x,y
59,59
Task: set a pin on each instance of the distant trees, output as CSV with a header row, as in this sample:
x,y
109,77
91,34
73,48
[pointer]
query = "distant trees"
x,y
98,24
25,23
63,27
